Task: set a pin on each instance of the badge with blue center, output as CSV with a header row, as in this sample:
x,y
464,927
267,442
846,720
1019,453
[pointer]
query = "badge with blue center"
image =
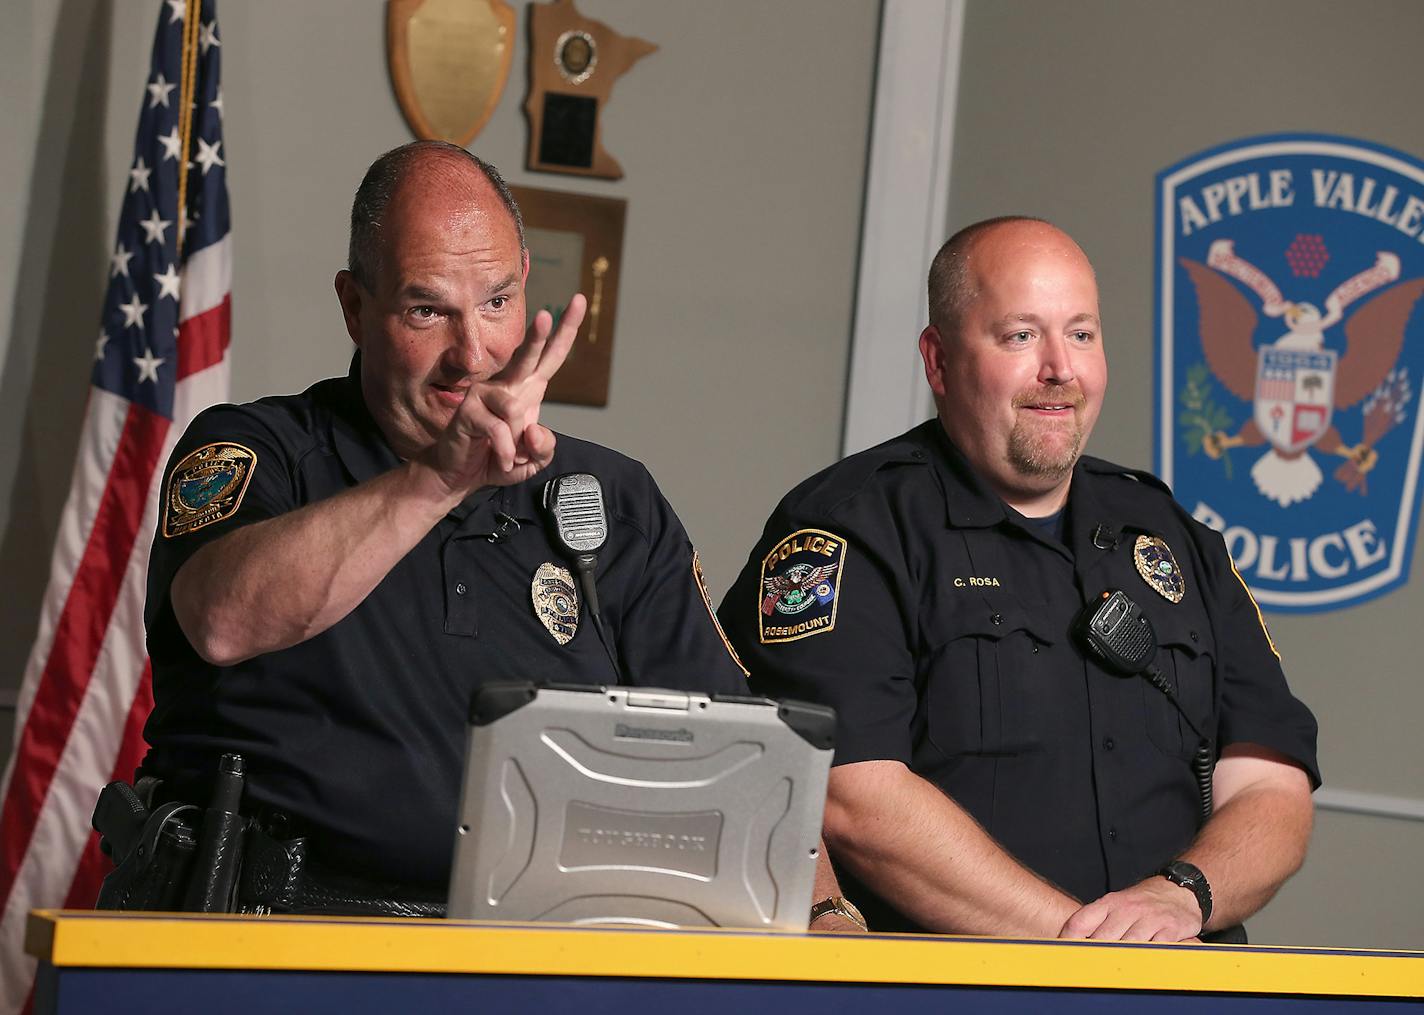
x,y
800,579
206,487
1159,568
556,601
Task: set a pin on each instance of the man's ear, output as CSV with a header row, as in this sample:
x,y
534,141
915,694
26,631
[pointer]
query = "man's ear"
x,y
524,279
350,295
932,352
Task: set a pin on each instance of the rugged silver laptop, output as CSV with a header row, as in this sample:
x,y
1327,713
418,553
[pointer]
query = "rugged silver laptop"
x,y
640,806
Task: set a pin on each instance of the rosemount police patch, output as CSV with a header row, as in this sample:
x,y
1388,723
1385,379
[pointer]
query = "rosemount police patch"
x,y
206,487
800,578
556,601
1290,270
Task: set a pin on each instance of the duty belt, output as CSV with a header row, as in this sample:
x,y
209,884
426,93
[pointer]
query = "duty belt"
x,y
278,876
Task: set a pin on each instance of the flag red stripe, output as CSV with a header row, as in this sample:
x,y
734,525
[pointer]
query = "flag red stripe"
x,y
79,633
93,864
203,339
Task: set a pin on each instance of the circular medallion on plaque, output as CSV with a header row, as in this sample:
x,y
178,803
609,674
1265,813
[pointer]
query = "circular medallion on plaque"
x,y
575,54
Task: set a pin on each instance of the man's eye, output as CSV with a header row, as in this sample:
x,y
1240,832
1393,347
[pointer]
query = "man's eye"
x,y
1082,336
1020,336
422,313
499,302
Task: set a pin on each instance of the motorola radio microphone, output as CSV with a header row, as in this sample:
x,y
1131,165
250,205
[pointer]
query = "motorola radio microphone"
x,y
1118,635
575,503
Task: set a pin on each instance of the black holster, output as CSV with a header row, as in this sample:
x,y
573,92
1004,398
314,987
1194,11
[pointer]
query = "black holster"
x,y
152,848
171,856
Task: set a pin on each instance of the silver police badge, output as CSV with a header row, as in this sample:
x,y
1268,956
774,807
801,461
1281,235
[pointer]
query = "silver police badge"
x,y
1159,568
556,601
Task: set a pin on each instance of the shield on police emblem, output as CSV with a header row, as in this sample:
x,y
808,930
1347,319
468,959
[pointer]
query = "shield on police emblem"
x,y
1290,350
1294,396
449,60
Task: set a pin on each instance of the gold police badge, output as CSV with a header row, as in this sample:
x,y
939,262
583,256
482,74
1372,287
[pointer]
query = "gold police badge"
x,y
556,601
206,487
1159,568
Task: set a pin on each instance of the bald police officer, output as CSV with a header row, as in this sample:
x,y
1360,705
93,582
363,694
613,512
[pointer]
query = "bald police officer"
x,y
991,777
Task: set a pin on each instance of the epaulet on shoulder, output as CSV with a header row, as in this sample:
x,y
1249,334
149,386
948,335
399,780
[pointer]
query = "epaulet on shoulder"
x,y
1105,468
843,480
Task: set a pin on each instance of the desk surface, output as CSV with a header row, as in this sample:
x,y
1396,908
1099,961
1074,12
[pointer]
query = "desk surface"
x,y
83,939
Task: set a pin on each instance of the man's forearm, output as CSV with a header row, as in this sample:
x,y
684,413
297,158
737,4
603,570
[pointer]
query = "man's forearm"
x,y
924,854
1256,839
278,582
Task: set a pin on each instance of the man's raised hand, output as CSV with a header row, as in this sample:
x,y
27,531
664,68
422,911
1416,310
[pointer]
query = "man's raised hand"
x,y
495,438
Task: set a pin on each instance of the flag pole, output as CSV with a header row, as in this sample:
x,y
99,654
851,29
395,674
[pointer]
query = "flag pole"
x,y
191,25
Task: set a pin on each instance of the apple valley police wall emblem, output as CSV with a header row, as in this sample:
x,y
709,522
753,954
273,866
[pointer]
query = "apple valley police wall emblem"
x,y
1290,346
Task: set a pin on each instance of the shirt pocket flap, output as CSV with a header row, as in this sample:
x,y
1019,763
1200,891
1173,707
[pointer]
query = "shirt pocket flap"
x,y
1181,630
994,621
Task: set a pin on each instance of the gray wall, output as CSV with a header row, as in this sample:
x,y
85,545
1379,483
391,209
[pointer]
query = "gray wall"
x,y
744,178
1068,111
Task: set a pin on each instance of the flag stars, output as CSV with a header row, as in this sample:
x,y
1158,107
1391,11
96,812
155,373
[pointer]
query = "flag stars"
x,y
176,10
217,104
158,92
148,365
133,312
208,155
172,144
208,36
154,227
119,262
138,176
168,282
99,346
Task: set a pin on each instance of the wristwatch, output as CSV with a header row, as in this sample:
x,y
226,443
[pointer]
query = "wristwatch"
x,y
1189,876
841,906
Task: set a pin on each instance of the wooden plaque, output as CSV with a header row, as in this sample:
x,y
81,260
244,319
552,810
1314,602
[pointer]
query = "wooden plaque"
x,y
575,245
449,61
573,64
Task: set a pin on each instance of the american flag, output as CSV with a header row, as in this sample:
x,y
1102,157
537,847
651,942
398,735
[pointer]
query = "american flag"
x,y
160,356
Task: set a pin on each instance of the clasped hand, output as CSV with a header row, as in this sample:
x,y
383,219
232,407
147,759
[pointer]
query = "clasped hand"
x,y
1151,910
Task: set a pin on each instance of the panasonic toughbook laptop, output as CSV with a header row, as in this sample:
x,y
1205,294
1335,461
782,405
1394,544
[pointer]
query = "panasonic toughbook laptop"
x,y
640,806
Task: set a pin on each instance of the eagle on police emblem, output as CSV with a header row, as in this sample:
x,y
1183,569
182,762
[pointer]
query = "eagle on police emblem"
x,y
556,601
1295,383
207,486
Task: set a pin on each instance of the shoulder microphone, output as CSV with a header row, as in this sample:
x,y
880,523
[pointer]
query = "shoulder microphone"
x,y
574,502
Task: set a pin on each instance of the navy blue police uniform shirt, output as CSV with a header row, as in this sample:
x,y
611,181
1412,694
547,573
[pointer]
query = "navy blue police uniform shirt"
x,y
898,588
358,734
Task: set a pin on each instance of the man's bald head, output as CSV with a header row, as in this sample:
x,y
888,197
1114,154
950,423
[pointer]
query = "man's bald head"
x,y
436,163
952,282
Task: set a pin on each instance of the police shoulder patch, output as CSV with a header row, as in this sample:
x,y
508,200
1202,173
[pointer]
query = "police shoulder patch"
x,y
206,487
800,580
707,602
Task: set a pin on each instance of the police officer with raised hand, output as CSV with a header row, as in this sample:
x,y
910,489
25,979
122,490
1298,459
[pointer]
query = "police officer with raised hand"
x,y
336,572
993,775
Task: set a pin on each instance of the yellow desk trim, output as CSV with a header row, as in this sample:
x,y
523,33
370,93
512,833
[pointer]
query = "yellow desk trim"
x,y
130,940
